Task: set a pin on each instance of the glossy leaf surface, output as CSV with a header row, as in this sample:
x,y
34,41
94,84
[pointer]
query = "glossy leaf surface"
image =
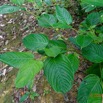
x,y
63,15
5,9
27,73
47,20
90,90
35,41
59,73
93,53
83,40
16,59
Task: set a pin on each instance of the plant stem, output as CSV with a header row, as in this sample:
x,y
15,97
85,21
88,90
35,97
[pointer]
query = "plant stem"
x,y
75,30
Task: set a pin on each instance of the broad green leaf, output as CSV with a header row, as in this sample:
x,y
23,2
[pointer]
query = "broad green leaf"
x,y
55,47
99,30
30,84
84,27
93,19
88,7
90,90
98,3
5,9
59,43
61,25
83,40
38,2
30,0
93,53
52,51
16,59
59,73
63,15
73,40
47,20
48,2
96,38
74,61
101,16
94,69
18,2
27,73
42,52
36,41
102,73
24,97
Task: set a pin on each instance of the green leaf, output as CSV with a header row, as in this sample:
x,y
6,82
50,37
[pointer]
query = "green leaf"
x,y
99,30
88,7
59,73
47,20
62,25
101,16
24,97
27,73
59,43
5,9
31,1
102,73
93,53
55,47
38,2
35,41
74,61
83,40
16,59
18,2
42,52
93,19
73,40
52,51
98,3
30,84
94,69
96,38
34,94
63,15
48,2
90,90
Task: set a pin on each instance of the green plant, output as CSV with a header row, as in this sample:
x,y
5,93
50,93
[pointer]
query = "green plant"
x,y
46,92
30,94
38,6
60,62
90,42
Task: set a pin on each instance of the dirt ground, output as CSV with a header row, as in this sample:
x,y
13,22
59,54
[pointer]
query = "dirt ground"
x,y
13,27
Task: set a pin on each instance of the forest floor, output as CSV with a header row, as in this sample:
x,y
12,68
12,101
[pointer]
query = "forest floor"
x,y
13,27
